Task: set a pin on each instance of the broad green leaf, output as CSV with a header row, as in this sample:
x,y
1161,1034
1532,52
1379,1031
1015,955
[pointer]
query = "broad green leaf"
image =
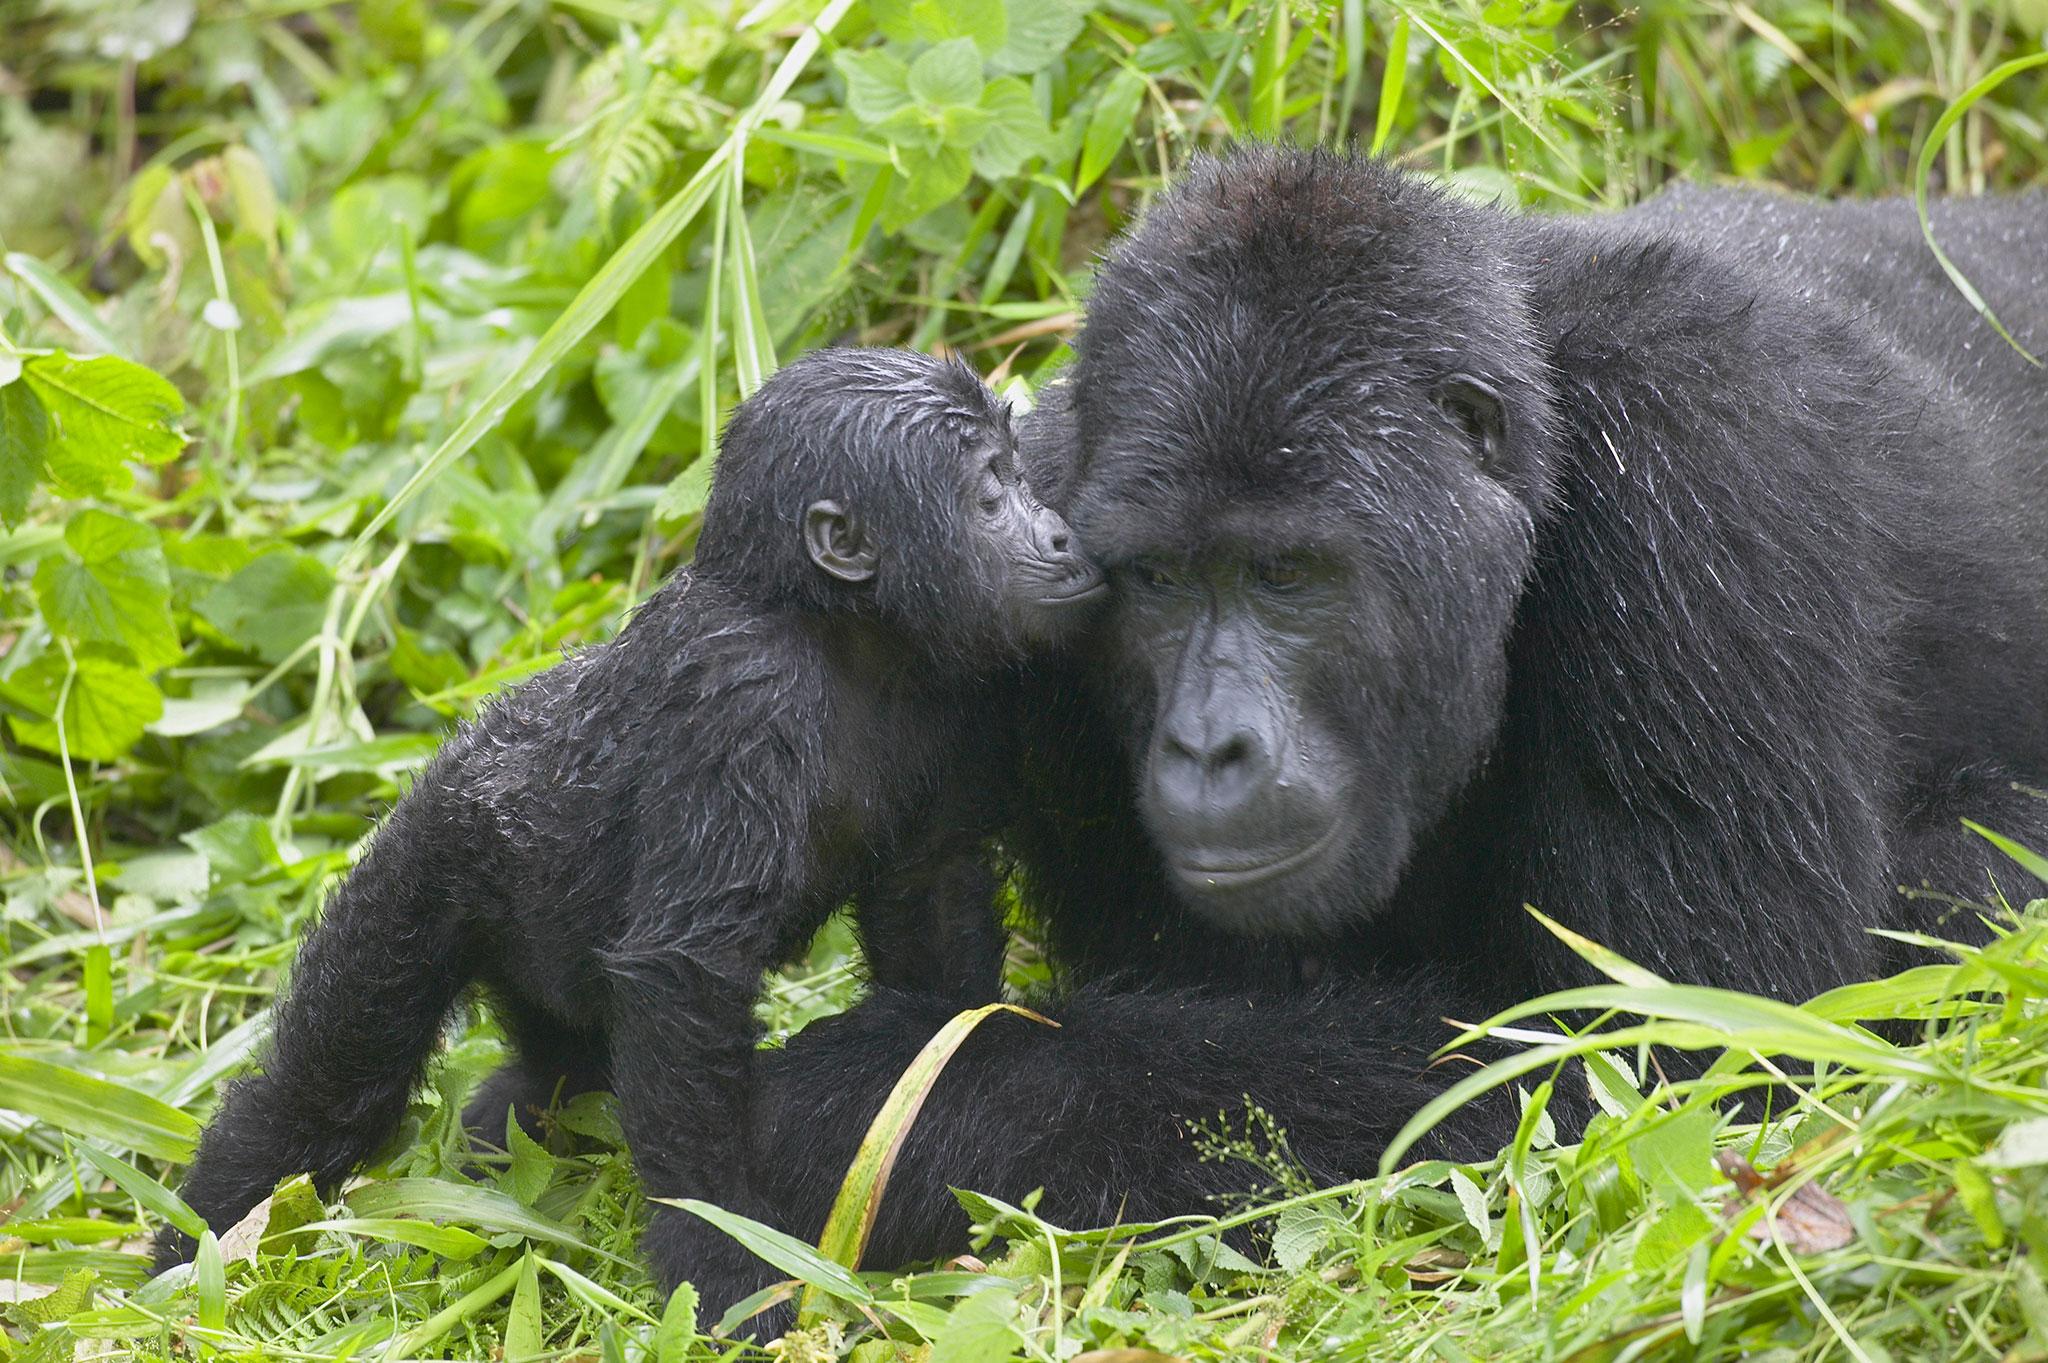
x,y
932,179
237,847
678,1328
210,1277
1109,126
936,21
24,446
877,83
116,589
273,604
86,1105
109,706
981,1329
947,74
1016,130
103,412
1037,32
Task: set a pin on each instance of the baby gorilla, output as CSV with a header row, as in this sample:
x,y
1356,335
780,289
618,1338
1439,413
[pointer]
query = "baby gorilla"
x,y
616,850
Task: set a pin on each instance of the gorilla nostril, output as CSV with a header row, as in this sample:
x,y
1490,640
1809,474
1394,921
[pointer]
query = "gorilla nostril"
x,y
1059,541
1234,751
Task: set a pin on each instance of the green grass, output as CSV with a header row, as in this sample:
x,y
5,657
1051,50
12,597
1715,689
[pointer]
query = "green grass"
x,y
419,320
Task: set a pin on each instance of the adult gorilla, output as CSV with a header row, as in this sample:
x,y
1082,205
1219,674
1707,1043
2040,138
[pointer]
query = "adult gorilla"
x,y
1683,572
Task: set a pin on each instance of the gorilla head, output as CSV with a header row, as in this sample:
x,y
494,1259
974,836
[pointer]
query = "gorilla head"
x,y
883,486
1315,436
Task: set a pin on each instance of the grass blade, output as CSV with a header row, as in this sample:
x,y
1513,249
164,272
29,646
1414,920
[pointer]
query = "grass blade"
x,y
1930,149
88,1106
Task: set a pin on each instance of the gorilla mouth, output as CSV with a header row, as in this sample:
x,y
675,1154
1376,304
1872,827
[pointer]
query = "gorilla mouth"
x,y
1197,875
1092,585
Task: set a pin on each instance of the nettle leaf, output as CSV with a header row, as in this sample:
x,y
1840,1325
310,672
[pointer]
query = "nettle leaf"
x,y
877,83
273,604
102,413
986,22
116,590
24,442
1016,130
1037,32
931,178
109,706
947,74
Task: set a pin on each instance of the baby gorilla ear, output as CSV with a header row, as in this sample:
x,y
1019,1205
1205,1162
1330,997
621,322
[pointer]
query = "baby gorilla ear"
x,y
838,543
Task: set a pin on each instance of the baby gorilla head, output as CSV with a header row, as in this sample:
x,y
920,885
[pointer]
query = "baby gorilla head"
x,y
886,483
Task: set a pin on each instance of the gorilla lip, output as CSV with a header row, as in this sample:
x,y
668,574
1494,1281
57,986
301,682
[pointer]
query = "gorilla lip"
x,y
1092,586
1199,877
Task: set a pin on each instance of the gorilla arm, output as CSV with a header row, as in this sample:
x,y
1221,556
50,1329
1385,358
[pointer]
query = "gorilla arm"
x,y
1097,1110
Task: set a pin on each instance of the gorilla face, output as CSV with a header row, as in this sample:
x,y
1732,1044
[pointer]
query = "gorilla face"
x,y
1318,511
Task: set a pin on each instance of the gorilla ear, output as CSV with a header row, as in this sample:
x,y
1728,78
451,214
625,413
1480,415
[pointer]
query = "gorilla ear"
x,y
838,543
1476,407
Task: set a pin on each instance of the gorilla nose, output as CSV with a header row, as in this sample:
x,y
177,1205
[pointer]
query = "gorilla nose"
x,y
1210,770
1055,540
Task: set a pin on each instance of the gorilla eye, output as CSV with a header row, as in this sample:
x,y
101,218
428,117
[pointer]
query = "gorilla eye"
x,y
1154,573
1480,414
990,488
1282,574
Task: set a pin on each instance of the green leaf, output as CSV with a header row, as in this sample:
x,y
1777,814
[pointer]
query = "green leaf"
x,y
678,1328
860,1195
1109,126
436,1200
151,1195
1675,1154
450,1242
64,302
936,21
86,1105
784,1252
1931,148
947,74
109,707
1016,130
103,412
2032,862
1037,32
933,178
532,1168
116,590
981,1329
276,602
523,1337
877,83
24,446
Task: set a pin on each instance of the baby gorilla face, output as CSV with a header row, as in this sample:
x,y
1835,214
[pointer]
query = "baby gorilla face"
x,y
1041,577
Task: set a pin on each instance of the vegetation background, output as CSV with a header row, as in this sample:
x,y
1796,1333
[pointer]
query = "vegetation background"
x,y
357,358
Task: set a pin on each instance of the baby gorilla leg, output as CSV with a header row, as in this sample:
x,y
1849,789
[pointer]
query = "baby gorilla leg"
x,y
554,1062
369,995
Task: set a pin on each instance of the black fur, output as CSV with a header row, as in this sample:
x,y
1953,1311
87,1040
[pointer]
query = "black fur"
x,y
1682,571
616,850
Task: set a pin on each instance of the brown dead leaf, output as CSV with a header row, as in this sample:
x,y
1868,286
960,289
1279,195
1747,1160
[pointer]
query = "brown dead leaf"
x,y
1811,1220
